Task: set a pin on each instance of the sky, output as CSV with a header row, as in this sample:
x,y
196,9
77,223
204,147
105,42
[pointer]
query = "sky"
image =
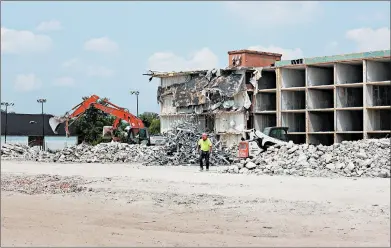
x,y
63,51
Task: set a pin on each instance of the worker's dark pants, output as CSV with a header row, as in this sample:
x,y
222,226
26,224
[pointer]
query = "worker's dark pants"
x,y
204,155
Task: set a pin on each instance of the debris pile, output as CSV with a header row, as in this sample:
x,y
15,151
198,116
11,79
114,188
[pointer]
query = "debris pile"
x,y
364,158
16,151
182,145
180,150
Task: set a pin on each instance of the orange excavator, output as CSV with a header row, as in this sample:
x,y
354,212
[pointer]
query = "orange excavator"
x,y
136,131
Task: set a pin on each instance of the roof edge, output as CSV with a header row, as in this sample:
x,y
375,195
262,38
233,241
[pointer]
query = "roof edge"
x,y
254,52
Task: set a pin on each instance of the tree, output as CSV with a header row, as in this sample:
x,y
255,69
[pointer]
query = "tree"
x,y
154,128
151,121
148,117
90,125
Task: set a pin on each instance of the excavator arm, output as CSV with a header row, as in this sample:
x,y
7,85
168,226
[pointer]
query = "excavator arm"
x,y
112,109
121,114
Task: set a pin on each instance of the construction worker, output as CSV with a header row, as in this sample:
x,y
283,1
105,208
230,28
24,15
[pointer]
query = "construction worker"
x,y
205,145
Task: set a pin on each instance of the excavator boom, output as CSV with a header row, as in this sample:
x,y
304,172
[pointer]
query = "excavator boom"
x,y
114,110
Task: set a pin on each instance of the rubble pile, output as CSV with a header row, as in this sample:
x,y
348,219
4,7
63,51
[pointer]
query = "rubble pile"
x,y
180,149
364,158
182,145
16,151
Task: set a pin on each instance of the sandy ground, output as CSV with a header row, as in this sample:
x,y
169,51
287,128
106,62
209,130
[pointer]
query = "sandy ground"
x,y
132,205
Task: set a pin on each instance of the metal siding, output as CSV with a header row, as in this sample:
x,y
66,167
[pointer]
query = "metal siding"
x,y
19,125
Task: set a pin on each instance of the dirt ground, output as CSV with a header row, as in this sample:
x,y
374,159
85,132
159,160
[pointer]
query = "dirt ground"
x,y
132,205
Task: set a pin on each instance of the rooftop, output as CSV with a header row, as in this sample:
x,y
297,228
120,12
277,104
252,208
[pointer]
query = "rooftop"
x,y
283,63
336,58
254,52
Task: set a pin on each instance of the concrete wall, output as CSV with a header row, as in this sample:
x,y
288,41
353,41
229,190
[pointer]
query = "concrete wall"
x,y
222,122
320,98
321,121
349,74
320,76
168,81
268,80
378,71
292,100
349,97
292,78
167,122
264,120
349,120
266,101
167,106
295,121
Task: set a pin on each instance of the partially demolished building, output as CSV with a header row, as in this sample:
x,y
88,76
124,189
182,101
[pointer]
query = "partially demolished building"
x,y
322,100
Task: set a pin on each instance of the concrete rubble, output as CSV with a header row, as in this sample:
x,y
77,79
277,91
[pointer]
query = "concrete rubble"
x,y
180,150
364,158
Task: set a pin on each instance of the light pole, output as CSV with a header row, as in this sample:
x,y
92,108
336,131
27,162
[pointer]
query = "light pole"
x,y
135,92
42,101
6,104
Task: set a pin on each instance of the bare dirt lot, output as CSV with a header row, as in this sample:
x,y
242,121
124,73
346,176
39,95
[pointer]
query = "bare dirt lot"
x,y
132,205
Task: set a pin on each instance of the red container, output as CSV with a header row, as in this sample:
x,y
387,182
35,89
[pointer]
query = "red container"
x,y
243,149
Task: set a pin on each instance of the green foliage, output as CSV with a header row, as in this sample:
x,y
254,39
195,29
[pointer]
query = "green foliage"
x,y
154,128
151,121
148,117
90,125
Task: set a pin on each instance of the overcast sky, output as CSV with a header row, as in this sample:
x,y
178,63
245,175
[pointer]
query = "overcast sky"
x,y
63,51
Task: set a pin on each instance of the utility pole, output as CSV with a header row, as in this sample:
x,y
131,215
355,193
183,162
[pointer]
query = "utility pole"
x,y
42,101
6,104
136,92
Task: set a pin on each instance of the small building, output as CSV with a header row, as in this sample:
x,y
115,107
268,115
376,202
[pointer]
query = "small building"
x,y
28,128
322,100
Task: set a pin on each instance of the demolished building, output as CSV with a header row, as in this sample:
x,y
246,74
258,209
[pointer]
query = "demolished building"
x,y
322,100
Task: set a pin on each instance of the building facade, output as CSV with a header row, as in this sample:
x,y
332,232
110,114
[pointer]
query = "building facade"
x,y
322,100
27,129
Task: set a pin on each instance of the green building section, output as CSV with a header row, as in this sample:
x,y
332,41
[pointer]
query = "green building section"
x,y
336,58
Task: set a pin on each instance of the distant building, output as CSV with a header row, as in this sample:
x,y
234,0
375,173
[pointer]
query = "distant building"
x,y
27,129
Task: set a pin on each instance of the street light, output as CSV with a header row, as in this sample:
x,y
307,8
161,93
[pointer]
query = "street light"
x,y
42,101
6,104
135,92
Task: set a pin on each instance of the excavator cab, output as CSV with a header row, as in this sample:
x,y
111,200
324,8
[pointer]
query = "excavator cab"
x,y
138,136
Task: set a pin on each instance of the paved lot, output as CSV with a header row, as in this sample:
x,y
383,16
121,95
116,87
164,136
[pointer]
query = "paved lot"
x,y
179,206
